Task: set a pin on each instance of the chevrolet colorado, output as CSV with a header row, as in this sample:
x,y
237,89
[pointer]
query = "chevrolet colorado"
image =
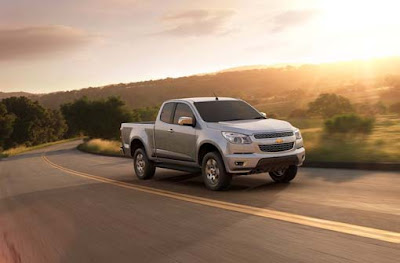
x,y
219,136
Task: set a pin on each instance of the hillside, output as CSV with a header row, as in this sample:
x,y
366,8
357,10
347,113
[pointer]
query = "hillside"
x,y
271,89
4,95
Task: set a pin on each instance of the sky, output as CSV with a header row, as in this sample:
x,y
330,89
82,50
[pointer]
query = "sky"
x,y
55,45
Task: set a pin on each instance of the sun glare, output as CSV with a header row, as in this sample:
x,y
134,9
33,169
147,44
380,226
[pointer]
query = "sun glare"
x,y
358,30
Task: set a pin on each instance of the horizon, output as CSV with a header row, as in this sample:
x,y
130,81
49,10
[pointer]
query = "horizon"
x,y
66,46
231,69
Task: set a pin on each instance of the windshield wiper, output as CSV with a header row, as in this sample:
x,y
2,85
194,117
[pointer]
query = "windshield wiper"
x,y
259,117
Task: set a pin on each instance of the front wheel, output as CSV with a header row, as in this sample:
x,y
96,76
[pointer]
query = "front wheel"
x,y
285,175
144,168
214,174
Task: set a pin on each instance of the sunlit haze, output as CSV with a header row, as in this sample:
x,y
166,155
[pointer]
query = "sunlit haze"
x,y
48,45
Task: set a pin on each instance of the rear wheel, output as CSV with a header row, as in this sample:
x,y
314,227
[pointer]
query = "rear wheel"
x,y
214,174
144,168
285,175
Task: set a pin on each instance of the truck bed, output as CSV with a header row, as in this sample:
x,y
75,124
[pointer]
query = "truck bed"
x,y
144,130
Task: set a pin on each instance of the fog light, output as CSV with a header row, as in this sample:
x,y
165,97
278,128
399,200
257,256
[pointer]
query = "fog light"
x,y
239,163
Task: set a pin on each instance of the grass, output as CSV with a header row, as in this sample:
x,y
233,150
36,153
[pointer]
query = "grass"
x,y
101,146
382,145
23,148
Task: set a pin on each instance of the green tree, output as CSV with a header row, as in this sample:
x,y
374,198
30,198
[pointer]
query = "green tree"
x,y
76,115
57,125
33,124
330,104
6,124
97,118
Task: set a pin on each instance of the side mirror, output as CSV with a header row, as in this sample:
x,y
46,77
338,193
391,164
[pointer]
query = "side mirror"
x,y
263,114
186,121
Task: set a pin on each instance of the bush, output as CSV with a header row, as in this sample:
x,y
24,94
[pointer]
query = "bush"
x,y
329,104
349,123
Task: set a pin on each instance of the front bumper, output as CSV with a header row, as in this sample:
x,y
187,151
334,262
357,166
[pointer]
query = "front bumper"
x,y
257,162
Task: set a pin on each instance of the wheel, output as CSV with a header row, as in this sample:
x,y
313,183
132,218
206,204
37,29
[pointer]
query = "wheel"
x,y
285,175
213,171
144,168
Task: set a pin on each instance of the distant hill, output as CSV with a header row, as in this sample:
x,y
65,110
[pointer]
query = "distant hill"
x,y
269,89
252,67
4,95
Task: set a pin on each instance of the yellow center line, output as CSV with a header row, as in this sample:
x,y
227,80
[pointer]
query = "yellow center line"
x,y
378,234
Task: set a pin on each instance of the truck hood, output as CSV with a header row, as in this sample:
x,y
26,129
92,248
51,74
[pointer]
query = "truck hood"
x,y
251,126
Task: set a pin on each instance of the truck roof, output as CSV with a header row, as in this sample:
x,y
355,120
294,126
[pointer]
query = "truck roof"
x,y
201,99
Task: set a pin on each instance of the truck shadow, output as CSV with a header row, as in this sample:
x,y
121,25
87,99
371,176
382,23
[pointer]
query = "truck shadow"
x,y
189,182
179,178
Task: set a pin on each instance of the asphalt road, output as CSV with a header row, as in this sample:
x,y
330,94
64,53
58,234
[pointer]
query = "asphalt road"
x,y
71,206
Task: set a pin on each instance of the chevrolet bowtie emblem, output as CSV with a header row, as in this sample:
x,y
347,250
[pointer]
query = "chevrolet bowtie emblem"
x,y
279,141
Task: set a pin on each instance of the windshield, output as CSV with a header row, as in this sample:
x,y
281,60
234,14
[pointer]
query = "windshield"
x,y
227,110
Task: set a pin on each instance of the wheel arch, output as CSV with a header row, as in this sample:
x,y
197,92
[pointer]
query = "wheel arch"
x,y
205,148
137,143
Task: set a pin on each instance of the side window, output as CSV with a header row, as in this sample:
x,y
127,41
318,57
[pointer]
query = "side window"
x,y
182,110
166,112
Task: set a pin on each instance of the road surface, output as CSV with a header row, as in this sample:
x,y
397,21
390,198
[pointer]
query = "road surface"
x,y
62,205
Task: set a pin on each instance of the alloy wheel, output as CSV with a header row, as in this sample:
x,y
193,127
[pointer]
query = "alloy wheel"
x,y
212,171
140,163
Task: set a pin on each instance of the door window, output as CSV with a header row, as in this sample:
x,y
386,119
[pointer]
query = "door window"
x,y
182,110
166,113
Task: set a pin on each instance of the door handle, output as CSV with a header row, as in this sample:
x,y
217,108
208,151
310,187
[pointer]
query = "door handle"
x,y
171,130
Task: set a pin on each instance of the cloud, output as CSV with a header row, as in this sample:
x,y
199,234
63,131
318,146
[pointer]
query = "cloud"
x,y
197,22
29,42
293,18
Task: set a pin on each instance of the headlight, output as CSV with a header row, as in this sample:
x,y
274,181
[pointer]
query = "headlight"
x,y
237,138
298,134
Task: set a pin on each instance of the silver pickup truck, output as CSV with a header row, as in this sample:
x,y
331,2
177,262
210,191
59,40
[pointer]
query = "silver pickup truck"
x,y
219,136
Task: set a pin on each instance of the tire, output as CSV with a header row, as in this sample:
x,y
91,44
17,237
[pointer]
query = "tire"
x,y
284,176
144,168
213,171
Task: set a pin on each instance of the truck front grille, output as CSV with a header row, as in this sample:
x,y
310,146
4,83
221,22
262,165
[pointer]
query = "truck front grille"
x,y
273,135
279,147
